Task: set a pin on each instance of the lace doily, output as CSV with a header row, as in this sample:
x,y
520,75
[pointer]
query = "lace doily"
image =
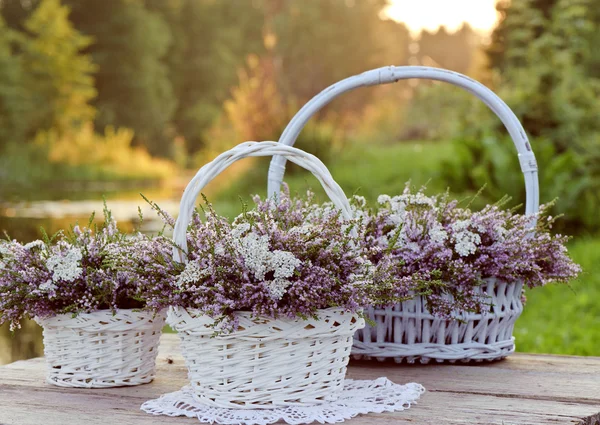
x,y
358,397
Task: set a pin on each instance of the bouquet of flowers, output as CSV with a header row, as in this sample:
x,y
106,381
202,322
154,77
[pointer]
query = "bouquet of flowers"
x,y
463,247
481,260
285,258
71,281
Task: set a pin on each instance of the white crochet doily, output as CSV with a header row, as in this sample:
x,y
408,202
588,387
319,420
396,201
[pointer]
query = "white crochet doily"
x,y
358,397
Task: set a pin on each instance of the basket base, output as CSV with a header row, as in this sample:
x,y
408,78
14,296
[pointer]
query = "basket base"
x,y
439,353
99,383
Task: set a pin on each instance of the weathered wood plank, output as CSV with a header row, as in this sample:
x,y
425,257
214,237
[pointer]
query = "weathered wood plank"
x,y
524,389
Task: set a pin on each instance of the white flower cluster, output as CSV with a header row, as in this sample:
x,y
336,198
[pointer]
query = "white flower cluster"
x,y
465,241
500,232
283,263
65,267
277,287
364,277
397,205
35,244
239,230
219,249
48,286
4,250
260,260
437,234
358,206
191,274
304,230
255,251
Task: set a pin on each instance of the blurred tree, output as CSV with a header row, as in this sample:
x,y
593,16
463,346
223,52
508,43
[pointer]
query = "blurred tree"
x,y
211,40
448,50
316,43
134,89
393,40
15,12
256,109
548,60
521,22
15,104
57,77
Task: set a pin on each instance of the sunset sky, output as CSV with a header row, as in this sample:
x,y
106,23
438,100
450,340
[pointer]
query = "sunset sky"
x,y
430,14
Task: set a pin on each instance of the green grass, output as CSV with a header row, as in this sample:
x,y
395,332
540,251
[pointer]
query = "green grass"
x,y
560,319
557,319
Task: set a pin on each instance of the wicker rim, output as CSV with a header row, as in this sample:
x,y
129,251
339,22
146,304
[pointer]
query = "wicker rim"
x,y
98,320
251,149
200,323
392,74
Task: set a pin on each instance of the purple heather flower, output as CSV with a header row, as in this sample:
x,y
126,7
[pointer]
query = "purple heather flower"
x,y
75,272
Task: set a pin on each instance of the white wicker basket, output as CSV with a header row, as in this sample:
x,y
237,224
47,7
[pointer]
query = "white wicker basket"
x,y
408,331
266,363
100,350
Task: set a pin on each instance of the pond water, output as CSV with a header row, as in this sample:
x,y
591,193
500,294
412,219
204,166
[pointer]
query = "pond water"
x,y
22,217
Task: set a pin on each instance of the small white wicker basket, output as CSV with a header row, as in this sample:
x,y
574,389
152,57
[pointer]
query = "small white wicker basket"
x,y
408,332
101,349
266,363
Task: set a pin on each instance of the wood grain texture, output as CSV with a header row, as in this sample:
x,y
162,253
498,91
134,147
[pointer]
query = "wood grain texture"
x,y
524,389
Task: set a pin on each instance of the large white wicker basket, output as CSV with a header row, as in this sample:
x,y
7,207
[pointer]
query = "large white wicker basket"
x,y
266,363
101,349
408,331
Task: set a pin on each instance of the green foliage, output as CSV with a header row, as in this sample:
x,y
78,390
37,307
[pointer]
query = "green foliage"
x,y
211,40
15,104
492,163
46,86
165,68
46,82
82,156
58,76
133,84
434,112
257,111
564,320
547,52
521,22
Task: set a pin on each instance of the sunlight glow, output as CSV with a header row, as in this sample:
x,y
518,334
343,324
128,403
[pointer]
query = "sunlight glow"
x,y
430,14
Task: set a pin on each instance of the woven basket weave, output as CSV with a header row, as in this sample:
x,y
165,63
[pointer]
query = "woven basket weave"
x,y
266,363
407,331
100,350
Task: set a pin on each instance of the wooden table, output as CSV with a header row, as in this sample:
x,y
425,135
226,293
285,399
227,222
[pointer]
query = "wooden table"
x,y
524,389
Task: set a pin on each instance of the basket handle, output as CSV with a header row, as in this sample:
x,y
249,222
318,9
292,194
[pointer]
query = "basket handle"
x,y
392,74
212,169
